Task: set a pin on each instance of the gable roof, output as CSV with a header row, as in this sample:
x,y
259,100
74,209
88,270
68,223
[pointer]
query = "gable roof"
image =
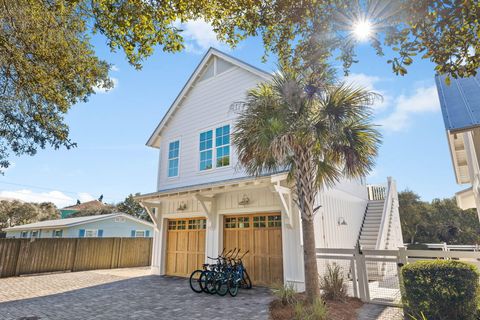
x,y
193,78
70,222
460,102
86,205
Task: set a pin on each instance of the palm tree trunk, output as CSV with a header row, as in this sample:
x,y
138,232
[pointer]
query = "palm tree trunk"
x,y
310,261
306,191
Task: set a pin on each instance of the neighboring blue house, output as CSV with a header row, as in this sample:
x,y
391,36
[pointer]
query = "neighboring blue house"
x,y
106,225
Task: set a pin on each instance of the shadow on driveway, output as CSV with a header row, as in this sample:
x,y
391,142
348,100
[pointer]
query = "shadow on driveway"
x,y
148,297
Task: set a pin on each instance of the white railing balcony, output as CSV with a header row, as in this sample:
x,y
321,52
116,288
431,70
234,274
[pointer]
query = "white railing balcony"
x,y
376,191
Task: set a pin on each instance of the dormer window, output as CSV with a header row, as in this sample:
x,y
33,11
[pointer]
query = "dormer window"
x,y
173,158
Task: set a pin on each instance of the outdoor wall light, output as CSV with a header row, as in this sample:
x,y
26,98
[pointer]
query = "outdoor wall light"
x,y
245,200
182,206
341,221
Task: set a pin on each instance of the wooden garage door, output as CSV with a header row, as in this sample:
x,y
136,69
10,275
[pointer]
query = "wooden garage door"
x,y
262,235
185,246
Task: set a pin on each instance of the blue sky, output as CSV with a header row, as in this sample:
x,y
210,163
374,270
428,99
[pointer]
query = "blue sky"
x,y
112,127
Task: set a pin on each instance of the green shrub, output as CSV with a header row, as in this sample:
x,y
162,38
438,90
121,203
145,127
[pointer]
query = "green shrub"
x,y
440,289
333,283
315,311
286,293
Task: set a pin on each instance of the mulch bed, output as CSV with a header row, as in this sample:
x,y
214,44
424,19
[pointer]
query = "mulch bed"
x,y
337,310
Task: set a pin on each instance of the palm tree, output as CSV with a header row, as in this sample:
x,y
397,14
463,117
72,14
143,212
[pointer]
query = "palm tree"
x,y
318,134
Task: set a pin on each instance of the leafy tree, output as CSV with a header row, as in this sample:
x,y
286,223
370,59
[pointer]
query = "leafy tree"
x,y
132,207
47,62
15,212
437,222
413,214
319,134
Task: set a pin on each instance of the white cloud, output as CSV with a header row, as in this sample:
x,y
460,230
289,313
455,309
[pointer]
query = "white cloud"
x,y
99,89
84,197
199,36
114,68
423,100
368,82
59,198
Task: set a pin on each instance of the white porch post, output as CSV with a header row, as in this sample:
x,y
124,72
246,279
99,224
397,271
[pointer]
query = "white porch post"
x,y
153,210
212,239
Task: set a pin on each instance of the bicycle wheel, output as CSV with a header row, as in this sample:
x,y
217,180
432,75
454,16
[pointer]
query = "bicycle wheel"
x,y
246,282
221,287
195,281
233,287
210,282
203,281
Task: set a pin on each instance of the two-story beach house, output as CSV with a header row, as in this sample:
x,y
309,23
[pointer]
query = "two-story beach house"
x,y
205,202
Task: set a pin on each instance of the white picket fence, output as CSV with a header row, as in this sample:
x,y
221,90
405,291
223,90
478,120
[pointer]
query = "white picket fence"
x,y
384,286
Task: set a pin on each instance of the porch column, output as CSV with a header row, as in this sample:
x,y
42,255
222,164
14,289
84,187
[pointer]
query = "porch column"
x,y
158,251
212,237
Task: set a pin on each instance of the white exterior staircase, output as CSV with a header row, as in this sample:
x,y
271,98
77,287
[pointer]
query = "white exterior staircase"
x,y
381,225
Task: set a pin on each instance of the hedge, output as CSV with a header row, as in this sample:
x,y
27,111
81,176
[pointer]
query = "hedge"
x,y
441,289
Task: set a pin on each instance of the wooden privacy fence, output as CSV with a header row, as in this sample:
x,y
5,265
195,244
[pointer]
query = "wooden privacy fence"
x,y
26,256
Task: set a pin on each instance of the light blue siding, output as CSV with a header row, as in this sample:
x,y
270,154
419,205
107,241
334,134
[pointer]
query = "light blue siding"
x,y
106,228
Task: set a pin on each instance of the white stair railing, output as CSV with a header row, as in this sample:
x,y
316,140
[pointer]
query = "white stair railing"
x,y
391,197
376,192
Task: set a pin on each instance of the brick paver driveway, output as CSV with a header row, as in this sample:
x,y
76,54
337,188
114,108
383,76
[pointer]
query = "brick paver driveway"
x,y
121,294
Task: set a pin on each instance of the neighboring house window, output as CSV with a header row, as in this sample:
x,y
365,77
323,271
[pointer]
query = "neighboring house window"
x,y
57,233
222,144
91,233
173,158
24,234
206,150
139,233
34,234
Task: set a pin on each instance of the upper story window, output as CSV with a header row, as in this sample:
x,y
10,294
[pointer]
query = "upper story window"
x,y
222,144
173,158
222,148
206,150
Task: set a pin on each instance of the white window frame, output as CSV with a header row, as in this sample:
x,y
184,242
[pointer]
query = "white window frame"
x,y
36,235
95,233
178,157
143,233
24,232
214,147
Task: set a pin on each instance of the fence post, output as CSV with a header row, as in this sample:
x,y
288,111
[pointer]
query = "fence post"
x,y
354,276
74,255
17,257
402,260
362,275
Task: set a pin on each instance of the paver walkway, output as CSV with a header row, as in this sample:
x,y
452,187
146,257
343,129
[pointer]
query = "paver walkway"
x,y
121,294
379,312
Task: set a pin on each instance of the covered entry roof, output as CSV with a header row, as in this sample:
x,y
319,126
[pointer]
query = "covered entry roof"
x,y
460,102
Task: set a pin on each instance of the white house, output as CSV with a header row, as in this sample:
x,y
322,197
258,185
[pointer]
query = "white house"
x,y
460,104
204,202
105,225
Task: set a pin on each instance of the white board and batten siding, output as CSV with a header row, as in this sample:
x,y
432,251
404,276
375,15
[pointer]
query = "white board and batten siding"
x,y
206,106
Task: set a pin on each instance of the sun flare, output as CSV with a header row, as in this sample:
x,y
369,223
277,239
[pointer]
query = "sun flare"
x,y
362,30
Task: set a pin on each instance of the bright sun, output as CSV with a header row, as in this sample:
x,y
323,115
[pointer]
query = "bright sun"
x,y
362,30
